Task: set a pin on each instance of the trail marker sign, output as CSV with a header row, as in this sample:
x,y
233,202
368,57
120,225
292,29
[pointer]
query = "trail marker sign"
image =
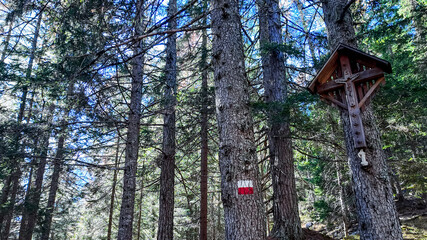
x,y
245,187
349,80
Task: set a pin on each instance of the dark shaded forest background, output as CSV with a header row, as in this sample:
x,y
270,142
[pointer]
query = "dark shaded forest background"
x,y
65,97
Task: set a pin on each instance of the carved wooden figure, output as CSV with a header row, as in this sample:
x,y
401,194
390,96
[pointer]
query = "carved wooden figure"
x,y
349,80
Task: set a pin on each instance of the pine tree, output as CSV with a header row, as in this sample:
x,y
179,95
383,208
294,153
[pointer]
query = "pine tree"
x,y
132,139
244,214
167,177
285,204
375,206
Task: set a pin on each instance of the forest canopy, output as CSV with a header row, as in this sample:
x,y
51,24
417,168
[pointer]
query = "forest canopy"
x,y
145,119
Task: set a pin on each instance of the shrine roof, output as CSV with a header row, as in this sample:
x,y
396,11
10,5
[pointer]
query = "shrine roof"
x,y
353,54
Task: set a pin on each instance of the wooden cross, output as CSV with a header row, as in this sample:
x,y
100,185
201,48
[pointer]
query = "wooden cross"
x,y
349,80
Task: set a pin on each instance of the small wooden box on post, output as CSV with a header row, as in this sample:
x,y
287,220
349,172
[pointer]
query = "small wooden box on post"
x,y
349,80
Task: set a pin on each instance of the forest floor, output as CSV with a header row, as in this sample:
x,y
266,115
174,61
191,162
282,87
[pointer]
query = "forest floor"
x,y
412,214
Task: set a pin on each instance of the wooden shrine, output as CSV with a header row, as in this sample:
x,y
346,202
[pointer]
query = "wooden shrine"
x,y
349,80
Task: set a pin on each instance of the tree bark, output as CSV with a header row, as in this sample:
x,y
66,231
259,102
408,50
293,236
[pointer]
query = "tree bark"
x,y
287,224
54,185
419,20
6,213
376,210
141,195
113,188
307,30
30,177
30,213
167,176
132,138
57,166
338,31
343,205
244,214
9,33
204,138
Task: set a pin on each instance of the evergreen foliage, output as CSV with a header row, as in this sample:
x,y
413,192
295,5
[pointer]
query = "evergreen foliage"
x,y
78,88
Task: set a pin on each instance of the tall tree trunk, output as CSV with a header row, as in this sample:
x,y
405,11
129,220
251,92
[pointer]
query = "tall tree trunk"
x,y
244,213
167,185
204,137
33,162
113,189
29,217
6,213
376,210
132,139
57,166
54,185
287,224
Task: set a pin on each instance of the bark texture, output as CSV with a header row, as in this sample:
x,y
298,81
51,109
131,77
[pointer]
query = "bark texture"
x,y
376,210
287,224
11,19
338,166
339,30
244,214
54,185
32,201
10,188
57,167
132,138
204,138
167,176
113,188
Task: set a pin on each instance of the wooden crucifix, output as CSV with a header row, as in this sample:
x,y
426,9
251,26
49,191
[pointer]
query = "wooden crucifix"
x,y
349,80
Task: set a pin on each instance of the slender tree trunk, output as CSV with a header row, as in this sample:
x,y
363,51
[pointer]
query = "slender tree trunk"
x,y
132,139
29,190
244,213
141,195
307,30
395,179
166,199
29,219
343,205
204,139
113,190
16,175
57,166
376,210
287,224
419,20
6,213
7,40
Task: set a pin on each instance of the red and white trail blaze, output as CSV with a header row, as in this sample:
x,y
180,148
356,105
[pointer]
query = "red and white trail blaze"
x,y
245,187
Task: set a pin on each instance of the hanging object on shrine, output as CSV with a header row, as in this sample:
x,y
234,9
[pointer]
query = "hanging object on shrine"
x,y
349,80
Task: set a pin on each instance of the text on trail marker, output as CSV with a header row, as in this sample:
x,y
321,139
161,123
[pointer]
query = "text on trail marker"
x,y
245,187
